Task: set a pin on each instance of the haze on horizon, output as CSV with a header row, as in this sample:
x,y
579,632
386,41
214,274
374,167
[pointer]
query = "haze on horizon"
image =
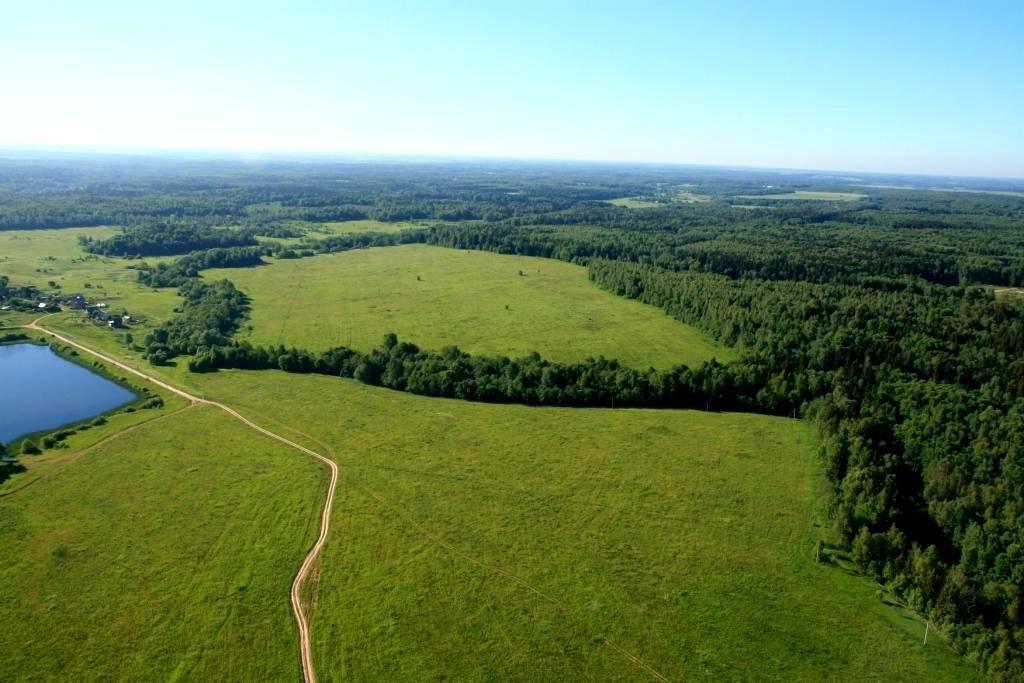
x,y
926,87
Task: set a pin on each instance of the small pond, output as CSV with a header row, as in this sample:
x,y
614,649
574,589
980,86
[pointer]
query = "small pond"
x,y
40,390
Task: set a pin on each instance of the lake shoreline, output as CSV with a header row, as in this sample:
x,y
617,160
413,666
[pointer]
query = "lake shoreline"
x,y
140,395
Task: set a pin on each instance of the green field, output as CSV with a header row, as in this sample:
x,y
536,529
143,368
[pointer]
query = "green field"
x,y
350,227
633,203
690,197
164,554
682,194
807,194
469,541
35,257
482,302
485,542
1004,193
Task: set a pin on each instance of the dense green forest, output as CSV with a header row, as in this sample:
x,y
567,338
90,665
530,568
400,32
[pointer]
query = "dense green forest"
x,y
877,317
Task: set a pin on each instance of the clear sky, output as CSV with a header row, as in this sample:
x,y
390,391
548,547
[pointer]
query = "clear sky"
x,y
929,86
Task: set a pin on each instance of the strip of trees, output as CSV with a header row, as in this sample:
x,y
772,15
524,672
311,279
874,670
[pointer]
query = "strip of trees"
x,y
919,393
186,268
452,373
862,315
210,314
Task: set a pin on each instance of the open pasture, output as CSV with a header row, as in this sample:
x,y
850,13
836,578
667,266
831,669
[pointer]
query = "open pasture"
x,y
633,203
482,302
164,553
484,542
351,227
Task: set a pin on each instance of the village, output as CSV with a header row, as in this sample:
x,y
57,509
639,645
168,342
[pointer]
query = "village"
x,y
96,311
26,299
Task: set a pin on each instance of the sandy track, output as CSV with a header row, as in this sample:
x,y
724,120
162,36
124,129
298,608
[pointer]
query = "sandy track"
x,y
305,648
308,672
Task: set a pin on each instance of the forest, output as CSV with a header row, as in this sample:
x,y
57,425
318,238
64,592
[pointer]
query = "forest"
x,y
877,318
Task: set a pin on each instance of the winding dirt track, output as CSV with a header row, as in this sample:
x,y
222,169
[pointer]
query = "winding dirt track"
x,y
308,672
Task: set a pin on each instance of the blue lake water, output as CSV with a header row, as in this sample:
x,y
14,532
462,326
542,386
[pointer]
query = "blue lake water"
x,y
41,390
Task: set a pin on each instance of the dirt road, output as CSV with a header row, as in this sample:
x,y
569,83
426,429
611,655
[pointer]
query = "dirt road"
x,y
308,672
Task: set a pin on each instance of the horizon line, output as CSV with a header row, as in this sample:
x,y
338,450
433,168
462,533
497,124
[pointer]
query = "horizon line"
x,y
323,156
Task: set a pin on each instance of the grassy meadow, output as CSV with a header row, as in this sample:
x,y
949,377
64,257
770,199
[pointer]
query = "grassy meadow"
x,y
482,302
633,203
163,554
36,257
352,227
681,194
807,195
486,542
315,231
468,542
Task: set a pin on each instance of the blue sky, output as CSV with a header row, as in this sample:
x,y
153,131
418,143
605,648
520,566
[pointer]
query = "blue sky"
x,y
930,87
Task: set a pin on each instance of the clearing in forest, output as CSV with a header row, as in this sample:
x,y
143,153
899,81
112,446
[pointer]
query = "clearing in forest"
x,y
349,227
807,195
483,303
633,203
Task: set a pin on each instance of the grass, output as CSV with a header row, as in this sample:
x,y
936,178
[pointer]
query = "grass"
x,y
479,301
633,203
1004,193
469,541
484,542
349,227
35,257
164,554
807,194
1009,293
681,194
684,194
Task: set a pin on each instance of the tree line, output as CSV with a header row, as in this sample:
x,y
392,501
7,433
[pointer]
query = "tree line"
x,y
918,389
452,373
862,315
919,394
167,238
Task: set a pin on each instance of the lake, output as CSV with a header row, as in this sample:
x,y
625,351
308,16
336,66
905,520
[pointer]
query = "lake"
x,y
40,390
